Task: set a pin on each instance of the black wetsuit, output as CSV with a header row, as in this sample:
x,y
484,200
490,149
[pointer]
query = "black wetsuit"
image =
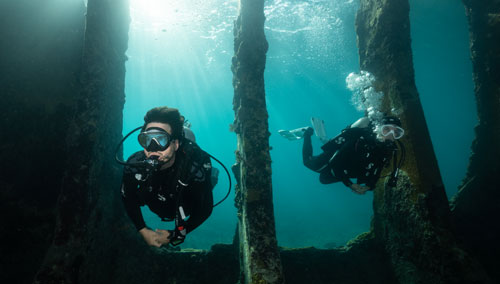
x,y
354,153
158,189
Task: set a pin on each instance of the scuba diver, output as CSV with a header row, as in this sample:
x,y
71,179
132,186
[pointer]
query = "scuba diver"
x,y
172,175
360,151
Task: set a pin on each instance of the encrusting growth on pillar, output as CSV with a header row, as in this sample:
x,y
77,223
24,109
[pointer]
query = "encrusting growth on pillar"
x,y
412,219
475,207
259,255
84,209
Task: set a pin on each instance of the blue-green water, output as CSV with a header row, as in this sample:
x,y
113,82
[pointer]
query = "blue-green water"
x,y
180,56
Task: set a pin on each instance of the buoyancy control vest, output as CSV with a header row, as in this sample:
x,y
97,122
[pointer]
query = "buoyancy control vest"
x,y
356,153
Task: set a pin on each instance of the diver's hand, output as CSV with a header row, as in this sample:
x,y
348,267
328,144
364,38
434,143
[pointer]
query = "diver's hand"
x,y
151,237
359,189
163,236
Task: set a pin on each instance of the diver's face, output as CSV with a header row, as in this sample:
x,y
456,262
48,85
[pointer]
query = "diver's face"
x,y
168,155
389,137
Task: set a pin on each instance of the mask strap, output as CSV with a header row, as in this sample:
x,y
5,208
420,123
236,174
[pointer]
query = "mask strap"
x,y
156,128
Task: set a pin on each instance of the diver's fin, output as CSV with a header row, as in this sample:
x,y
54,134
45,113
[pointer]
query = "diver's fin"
x,y
294,134
319,129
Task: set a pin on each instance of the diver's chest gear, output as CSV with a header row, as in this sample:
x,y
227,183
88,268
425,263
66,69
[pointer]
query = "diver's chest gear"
x,y
164,190
178,235
166,201
371,155
192,167
135,164
360,159
152,188
357,154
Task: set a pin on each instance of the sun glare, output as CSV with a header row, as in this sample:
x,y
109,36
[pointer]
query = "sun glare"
x,y
164,12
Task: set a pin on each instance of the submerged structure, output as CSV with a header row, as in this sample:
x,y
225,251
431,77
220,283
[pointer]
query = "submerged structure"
x,y
69,224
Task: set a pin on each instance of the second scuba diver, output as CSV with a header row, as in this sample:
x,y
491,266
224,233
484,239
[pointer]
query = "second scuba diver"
x,y
176,185
360,151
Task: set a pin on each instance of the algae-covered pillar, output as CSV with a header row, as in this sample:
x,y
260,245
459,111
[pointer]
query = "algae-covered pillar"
x,y
412,219
259,255
477,204
86,204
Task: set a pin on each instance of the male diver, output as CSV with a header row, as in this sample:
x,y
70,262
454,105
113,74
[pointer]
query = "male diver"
x,y
360,151
172,175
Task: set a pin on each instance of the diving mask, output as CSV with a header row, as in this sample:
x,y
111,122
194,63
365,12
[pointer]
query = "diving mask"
x,y
388,129
154,139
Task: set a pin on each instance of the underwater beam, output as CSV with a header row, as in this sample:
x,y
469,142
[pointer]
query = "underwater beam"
x,y
259,256
87,203
475,207
413,218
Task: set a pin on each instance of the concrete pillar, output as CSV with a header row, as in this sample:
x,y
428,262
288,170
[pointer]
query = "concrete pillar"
x,y
88,195
477,202
259,256
412,219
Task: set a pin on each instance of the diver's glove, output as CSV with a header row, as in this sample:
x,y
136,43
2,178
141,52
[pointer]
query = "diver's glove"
x,y
177,236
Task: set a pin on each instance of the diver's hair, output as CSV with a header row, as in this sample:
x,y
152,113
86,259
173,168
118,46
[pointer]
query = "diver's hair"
x,y
170,116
